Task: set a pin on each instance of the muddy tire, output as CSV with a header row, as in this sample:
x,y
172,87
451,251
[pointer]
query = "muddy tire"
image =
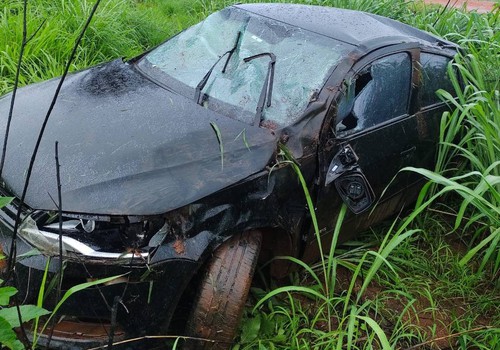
x,y
218,307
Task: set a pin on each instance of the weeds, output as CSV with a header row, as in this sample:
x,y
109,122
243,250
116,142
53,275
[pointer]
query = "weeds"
x,y
426,282
120,29
373,294
470,141
338,316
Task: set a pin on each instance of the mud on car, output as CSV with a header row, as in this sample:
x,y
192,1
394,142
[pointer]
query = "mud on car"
x,y
172,168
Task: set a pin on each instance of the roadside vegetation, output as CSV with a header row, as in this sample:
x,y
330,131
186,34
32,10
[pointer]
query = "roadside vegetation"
x,y
428,280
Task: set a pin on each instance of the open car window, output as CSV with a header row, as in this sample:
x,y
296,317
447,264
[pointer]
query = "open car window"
x,y
380,92
303,61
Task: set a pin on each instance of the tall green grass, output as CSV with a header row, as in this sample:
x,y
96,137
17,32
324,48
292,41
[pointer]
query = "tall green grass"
x,y
339,316
468,162
467,170
120,29
411,260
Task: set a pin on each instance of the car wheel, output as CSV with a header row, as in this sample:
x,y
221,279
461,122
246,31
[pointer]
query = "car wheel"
x,y
224,288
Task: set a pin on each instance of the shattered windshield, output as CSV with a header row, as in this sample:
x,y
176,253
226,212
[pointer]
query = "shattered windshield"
x,y
303,61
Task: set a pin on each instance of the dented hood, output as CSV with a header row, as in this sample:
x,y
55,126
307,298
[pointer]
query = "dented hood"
x,y
126,146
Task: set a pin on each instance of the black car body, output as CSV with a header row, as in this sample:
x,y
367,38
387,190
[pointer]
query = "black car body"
x,y
158,168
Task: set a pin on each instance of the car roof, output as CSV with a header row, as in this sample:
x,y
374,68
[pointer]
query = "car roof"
x,y
353,27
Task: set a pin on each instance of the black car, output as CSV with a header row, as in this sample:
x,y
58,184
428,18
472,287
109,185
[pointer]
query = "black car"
x,y
175,165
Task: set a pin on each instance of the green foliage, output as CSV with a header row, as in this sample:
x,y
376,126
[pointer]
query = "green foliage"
x,y
5,294
9,317
120,28
28,312
468,166
8,337
41,297
70,292
333,320
412,259
221,145
5,201
468,159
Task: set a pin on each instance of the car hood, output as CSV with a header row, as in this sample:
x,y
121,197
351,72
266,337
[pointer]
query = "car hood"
x,y
126,145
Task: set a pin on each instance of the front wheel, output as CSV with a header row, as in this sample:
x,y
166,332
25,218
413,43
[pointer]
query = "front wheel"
x,y
219,304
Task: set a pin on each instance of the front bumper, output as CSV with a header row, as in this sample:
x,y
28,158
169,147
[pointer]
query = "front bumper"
x,y
144,297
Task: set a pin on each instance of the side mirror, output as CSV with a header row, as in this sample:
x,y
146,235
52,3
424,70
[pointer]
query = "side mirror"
x,y
351,183
355,191
345,160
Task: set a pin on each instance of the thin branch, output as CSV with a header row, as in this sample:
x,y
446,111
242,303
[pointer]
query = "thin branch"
x,y
13,246
36,31
117,300
59,199
25,339
4,149
443,11
114,310
12,256
16,84
53,200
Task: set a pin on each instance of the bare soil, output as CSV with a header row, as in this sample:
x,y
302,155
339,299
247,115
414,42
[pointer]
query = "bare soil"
x,y
470,5
433,321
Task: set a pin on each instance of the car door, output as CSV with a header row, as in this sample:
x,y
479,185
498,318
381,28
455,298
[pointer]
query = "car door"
x,y
373,136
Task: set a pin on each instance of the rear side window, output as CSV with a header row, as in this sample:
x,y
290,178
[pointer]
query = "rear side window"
x,y
434,77
380,92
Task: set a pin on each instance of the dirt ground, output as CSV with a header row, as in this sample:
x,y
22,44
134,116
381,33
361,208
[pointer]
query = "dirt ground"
x,y
471,5
433,321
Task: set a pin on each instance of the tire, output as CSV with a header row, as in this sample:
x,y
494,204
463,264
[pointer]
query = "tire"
x,y
218,306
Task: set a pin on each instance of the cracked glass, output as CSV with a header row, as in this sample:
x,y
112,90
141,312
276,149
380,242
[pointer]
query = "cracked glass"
x,y
303,62
380,93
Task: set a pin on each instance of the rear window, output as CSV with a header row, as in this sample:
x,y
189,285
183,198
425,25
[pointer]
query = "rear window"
x,y
434,77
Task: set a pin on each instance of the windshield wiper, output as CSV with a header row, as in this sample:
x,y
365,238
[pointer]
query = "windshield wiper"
x,y
230,52
267,88
204,80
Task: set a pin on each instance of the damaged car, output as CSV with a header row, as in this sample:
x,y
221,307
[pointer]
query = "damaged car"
x,y
175,165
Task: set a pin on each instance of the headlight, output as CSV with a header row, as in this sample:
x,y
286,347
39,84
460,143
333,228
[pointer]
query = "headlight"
x,y
92,238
